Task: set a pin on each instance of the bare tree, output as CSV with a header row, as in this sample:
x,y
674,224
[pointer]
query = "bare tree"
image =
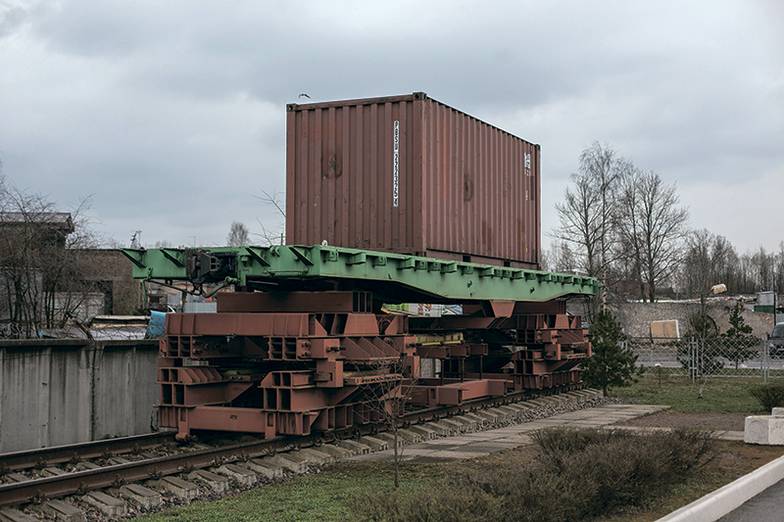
x,y
698,262
763,268
601,164
41,283
778,281
709,259
275,199
628,225
652,223
578,216
274,235
270,236
238,235
725,262
386,400
746,273
586,213
559,258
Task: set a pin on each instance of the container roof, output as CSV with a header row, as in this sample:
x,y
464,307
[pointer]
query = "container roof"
x,y
292,107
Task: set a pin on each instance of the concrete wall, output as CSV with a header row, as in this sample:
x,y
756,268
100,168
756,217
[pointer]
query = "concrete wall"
x,y
56,392
636,317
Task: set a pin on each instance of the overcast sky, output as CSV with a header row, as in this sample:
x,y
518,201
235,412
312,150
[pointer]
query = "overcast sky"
x,y
172,114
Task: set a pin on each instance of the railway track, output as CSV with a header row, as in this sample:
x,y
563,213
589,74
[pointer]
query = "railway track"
x,y
38,458
31,479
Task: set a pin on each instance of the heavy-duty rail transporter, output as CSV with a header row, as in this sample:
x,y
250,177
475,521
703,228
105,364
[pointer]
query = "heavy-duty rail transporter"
x,y
304,339
308,342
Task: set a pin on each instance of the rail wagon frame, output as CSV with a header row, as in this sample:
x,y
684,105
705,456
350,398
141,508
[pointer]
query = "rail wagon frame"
x,y
304,341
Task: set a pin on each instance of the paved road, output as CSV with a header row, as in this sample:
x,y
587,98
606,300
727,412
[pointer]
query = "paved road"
x,y
750,366
768,506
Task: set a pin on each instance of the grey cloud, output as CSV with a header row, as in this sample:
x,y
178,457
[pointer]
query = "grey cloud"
x,y
172,113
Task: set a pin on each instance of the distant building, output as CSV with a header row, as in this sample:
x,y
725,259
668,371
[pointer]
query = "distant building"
x,y
47,226
109,273
46,282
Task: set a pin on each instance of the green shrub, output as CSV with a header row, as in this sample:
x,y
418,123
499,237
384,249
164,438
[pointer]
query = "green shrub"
x,y
614,469
769,395
578,475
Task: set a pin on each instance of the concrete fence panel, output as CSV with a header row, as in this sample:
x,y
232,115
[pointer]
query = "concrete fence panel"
x,y
55,392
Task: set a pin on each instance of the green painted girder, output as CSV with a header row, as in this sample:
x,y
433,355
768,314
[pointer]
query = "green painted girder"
x,y
446,280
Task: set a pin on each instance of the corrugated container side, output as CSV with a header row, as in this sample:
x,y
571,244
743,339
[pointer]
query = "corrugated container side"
x,y
339,176
410,174
481,194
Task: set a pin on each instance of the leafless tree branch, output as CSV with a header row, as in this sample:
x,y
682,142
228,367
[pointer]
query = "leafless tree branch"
x,y
42,283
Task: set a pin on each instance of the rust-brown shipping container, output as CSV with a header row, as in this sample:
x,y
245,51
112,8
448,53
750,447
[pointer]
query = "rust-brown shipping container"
x,y
410,174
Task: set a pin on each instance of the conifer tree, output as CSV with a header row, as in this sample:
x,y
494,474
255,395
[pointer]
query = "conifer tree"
x,y
612,364
740,344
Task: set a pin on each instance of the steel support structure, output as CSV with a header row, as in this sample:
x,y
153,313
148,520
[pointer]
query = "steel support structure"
x,y
305,345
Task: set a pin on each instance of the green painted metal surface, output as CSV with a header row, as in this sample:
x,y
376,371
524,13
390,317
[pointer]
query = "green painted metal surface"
x,y
436,278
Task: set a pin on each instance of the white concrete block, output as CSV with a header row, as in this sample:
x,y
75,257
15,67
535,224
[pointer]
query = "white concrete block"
x,y
778,412
764,429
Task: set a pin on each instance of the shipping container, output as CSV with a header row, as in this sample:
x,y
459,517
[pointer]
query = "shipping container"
x,y
410,174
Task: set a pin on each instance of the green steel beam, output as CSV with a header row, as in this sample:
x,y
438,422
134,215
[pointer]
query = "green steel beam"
x,y
442,279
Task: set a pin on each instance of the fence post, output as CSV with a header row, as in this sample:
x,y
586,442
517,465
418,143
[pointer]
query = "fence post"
x,y
701,366
651,353
765,360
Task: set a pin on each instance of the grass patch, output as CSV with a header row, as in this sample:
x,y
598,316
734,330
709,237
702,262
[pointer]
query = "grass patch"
x,y
327,496
720,395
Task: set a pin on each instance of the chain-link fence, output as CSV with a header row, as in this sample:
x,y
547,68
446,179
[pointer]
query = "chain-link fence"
x,y
719,356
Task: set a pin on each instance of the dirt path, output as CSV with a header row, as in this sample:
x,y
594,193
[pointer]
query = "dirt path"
x,y
708,421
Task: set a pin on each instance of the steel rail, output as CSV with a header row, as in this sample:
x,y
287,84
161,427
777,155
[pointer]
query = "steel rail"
x,y
118,474
40,457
